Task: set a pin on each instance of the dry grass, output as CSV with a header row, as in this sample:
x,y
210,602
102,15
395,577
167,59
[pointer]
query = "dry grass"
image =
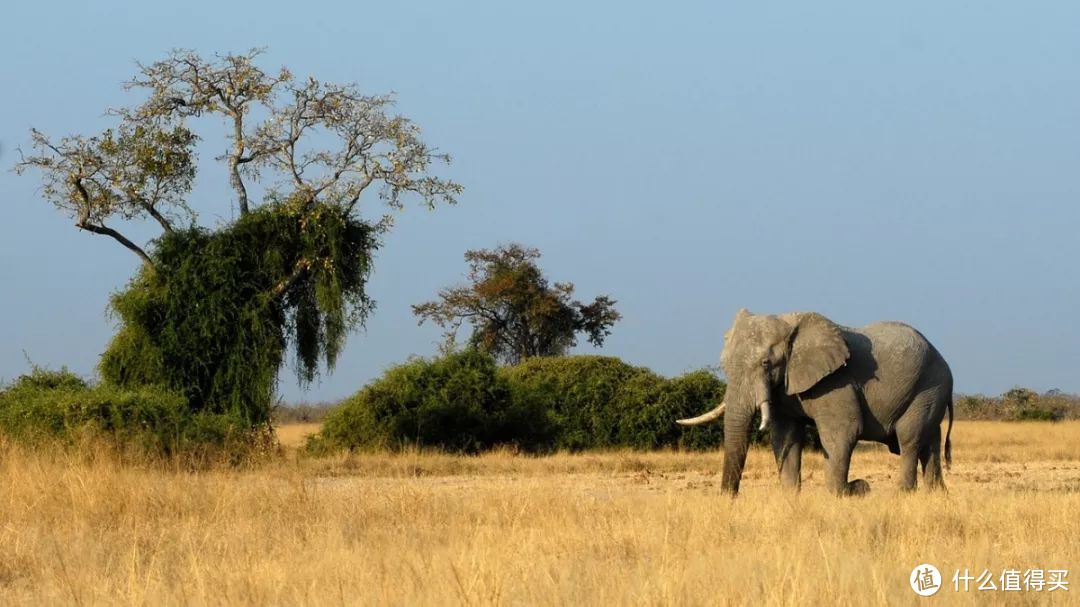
x,y
621,528
294,435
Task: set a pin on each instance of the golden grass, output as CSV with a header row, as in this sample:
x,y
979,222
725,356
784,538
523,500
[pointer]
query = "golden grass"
x,y
294,435
594,529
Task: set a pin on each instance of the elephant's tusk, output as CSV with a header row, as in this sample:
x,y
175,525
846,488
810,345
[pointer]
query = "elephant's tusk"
x,y
764,415
704,417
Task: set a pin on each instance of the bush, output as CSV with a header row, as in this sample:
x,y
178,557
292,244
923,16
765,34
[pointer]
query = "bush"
x,y
45,379
1019,404
463,402
1025,404
978,407
455,403
601,401
581,394
1036,414
58,405
686,396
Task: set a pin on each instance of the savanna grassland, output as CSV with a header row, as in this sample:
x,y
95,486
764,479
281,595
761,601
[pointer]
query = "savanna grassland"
x,y
594,529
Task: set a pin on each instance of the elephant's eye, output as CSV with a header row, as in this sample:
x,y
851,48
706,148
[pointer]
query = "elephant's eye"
x,y
765,363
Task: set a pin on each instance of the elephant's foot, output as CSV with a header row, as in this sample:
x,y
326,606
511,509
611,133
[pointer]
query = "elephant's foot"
x,y
858,487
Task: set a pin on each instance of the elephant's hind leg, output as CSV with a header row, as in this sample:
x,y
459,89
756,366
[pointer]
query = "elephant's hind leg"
x,y
920,441
909,436
909,468
930,458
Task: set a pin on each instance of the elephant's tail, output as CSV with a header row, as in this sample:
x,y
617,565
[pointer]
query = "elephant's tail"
x,y
948,438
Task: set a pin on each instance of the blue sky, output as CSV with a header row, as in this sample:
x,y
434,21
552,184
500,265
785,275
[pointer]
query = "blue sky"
x,y
912,161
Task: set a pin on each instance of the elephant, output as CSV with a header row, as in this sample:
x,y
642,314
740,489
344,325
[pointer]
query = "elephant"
x,y
883,382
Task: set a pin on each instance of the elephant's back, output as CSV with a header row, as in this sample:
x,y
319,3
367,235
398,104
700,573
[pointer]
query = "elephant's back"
x,y
896,341
895,360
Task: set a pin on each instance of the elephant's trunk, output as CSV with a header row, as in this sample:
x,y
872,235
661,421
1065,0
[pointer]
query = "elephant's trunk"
x,y
737,425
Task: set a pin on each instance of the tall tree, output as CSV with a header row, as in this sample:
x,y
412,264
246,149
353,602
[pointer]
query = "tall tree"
x,y
291,268
514,311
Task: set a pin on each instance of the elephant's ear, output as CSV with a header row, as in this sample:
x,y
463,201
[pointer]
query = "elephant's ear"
x,y
817,349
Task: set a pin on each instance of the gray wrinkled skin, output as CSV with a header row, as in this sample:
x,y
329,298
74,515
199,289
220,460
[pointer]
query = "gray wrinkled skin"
x,y
883,382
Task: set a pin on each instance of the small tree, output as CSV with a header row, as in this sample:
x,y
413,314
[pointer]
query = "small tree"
x,y
212,309
514,311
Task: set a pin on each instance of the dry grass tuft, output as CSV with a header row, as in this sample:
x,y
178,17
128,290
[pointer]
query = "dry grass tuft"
x,y
615,528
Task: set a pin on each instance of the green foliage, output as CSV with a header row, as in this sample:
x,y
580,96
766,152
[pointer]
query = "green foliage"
x,y
581,394
1020,397
58,405
978,407
463,402
686,396
1036,414
1020,404
212,311
1025,404
212,319
456,403
600,402
46,379
515,312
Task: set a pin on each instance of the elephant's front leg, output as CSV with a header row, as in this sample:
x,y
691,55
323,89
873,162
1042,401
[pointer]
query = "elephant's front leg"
x,y
788,435
839,425
838,463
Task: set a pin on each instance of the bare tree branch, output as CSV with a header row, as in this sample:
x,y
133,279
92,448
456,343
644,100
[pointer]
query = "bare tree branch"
x,y
84,223
185,84
161,219
322,145
107,231
303,265
130,172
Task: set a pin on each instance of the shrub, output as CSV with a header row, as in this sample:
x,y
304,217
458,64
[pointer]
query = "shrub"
x,y
686,396
1019,404
463,402
1025,404
581,394
58,405
46,379
1037,414
601,401
978,407
455,403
